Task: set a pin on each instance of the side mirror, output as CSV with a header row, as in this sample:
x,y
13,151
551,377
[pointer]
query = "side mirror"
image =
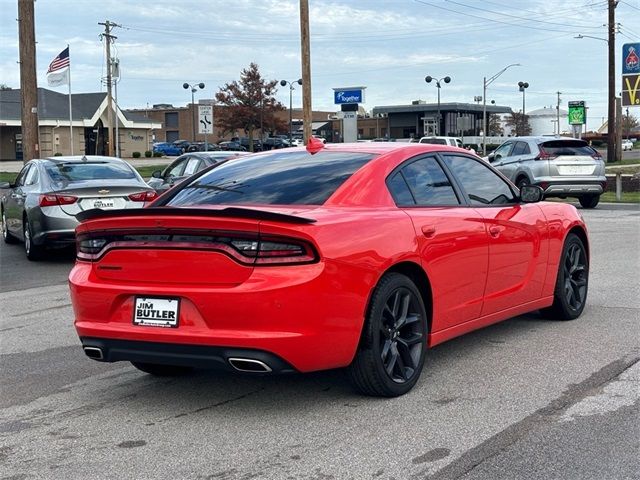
x,y
157,174
496,157
531,194
4,185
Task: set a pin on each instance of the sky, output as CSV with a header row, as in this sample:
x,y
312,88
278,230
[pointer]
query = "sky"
x,y
388,46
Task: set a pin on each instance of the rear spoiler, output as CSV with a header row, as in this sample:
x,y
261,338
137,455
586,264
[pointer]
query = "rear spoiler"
x,y
196,212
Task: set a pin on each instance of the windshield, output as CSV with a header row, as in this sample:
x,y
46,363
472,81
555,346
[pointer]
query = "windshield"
x,y
568,147
434,141
80,172
282,178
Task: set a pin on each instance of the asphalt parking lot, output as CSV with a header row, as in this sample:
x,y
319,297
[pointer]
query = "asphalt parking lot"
x,y
528,398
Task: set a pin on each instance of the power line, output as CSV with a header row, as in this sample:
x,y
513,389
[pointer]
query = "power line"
x,y
487,19
629,5
519,17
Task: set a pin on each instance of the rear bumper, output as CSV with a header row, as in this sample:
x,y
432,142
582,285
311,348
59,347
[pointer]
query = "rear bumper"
x,y
198,356
310,316
576,187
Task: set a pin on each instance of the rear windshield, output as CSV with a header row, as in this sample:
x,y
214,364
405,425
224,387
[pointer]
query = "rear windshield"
x,y
567,147
434,141
283,178
80,172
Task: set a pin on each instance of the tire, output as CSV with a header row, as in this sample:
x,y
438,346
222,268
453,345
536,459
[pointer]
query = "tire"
x,y
33,251
6,235
393,344
572,283
589,201
162,370
522,181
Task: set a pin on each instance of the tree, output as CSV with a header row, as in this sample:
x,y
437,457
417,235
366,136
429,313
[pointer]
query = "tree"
x,y
519,123
629,124
494,126
249,104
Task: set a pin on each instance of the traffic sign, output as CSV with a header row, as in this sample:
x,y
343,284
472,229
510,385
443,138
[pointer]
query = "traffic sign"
x,y
205,119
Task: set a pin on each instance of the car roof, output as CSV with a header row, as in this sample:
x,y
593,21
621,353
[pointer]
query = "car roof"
x,y
84,158
545,138
381,148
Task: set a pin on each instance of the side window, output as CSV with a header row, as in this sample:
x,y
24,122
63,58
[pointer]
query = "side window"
x,y
428,183
482,185
32,176
400,190
503,150
176,169
521,148
20,179
192,165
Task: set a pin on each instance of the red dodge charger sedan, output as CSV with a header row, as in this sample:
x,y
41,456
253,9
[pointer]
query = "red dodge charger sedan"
x,y
346,255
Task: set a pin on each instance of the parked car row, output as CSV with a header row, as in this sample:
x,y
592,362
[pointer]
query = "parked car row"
x,y
236,144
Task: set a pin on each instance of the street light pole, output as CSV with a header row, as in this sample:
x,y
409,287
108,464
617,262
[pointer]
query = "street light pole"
x,y
194,89
485,84
429,79
291,89
523,86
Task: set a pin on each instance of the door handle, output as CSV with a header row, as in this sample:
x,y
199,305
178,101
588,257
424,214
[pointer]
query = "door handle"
x,y
429,230
494,231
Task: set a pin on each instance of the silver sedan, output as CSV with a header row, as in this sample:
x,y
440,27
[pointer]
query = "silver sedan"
x,y
39,209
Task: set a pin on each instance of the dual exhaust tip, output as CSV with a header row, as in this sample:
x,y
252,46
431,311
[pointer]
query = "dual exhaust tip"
x,y
246,365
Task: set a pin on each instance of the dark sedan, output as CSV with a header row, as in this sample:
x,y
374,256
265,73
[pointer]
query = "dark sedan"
x,y
185,166
40,207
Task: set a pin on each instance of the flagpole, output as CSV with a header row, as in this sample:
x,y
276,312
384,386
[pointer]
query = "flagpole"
x,y
70,111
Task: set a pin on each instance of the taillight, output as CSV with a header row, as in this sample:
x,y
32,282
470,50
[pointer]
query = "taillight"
x,y
143,196
248,249
596,155
544,155
53,200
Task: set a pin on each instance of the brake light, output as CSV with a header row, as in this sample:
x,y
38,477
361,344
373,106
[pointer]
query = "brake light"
x,y
54,200
596,155
544,155
143,196
247,249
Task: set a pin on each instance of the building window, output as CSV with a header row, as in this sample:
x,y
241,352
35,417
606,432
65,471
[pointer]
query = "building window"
x,y
172,136
372,132
171,120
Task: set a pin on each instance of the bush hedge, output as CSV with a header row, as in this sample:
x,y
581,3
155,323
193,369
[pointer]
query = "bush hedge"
x,y
157,154
135,154
148,154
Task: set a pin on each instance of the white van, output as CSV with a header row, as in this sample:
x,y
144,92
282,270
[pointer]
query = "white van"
x,y
451,141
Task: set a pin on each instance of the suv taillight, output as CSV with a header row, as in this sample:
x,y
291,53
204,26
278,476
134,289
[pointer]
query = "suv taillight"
x,y
544,155
143,196
53,200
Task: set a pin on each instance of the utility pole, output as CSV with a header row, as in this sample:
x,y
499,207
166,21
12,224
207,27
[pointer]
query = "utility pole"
x,y
558,111
611,44
306,69
108,38
28,80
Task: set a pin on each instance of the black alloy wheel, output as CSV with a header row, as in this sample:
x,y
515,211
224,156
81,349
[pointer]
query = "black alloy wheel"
x,y
393,344
572,284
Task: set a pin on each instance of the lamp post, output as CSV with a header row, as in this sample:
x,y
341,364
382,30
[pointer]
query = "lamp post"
x,y
429,79
611,100
194,89
485,83
522,86
291,89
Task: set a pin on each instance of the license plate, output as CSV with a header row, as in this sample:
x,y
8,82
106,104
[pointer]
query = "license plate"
x,y
104,203
575,169
156,312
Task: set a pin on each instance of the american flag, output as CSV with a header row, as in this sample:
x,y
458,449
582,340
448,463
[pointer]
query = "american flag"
x,y
60,62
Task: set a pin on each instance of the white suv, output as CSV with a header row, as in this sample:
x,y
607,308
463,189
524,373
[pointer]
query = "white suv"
x,y
451,141
627,145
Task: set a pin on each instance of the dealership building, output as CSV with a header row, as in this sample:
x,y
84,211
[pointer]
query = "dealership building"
x,y
90,134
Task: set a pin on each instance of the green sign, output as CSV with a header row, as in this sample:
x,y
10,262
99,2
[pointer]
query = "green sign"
x,y
577,113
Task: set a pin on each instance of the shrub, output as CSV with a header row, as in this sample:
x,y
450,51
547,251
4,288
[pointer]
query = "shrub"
x,y
148,153
57,154
157,154
135,154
